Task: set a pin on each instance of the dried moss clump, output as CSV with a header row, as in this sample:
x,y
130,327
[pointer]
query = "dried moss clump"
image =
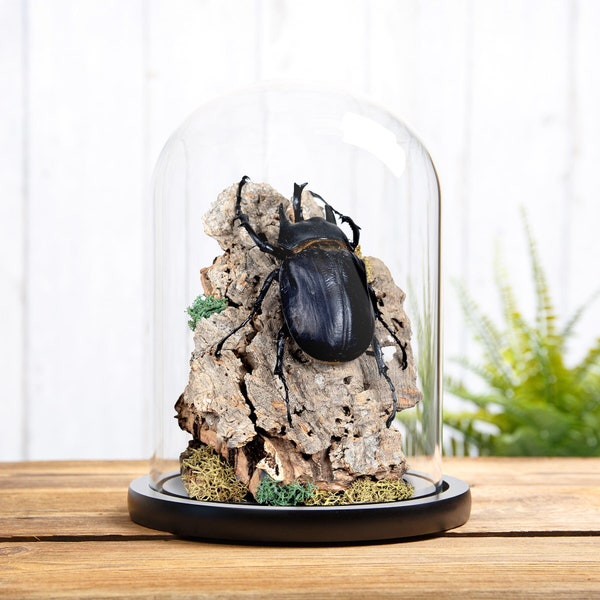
x,y
203,307
207,477
273,493
362,491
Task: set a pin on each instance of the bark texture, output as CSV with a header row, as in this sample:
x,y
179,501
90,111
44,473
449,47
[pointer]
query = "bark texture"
x,y
235,403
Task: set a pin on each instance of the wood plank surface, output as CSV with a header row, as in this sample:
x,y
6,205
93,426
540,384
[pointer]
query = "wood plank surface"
x,y
451,567
534,532
83,499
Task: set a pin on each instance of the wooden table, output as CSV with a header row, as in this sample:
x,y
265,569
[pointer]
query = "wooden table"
x,y
534,532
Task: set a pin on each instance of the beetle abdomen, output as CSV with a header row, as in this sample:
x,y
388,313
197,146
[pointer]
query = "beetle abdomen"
x,y
326,305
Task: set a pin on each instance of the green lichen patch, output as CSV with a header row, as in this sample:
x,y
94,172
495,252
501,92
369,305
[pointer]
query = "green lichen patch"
x,y
208,478
273,493
203,307
363,490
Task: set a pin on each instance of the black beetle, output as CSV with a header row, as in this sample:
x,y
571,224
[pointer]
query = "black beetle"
x,y
328,306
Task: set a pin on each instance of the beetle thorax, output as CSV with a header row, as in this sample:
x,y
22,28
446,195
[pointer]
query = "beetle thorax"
x,y
323,244
296,236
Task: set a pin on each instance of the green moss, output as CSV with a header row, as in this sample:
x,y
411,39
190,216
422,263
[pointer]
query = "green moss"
x,y
207,477
203,307
272,493
363,490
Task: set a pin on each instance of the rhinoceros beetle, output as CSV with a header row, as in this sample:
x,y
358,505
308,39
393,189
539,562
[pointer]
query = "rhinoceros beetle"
x,y
328,306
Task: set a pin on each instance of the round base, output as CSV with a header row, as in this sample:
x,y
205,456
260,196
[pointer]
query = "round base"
x,y
244,522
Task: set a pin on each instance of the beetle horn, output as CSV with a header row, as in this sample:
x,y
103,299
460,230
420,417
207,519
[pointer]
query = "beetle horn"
x,y
329,216
284,223
329,210
297,201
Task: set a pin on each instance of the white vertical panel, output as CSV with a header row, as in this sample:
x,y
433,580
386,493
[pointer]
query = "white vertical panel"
x,y
584,204
504,94
195,51
84,280
316,41
12,103
420,56
519,142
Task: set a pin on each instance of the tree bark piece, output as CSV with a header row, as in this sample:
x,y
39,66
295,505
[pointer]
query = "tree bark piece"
x,y
236,404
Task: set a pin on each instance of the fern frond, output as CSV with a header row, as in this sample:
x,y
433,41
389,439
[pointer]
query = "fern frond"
x,y
484,371
519,333
486,332
466,424
545,312
484,401
567,330
590,364
533,404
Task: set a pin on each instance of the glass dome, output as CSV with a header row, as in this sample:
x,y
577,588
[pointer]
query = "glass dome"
x,y
370,167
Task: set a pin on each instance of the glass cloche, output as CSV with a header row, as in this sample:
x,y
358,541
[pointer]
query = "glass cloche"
x,y
296,331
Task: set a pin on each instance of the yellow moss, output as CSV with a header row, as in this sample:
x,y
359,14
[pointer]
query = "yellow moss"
x,y
327,498
207,477
364,490
386,490
367,262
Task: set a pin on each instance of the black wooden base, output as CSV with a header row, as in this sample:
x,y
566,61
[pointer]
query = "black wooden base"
x,y
166,509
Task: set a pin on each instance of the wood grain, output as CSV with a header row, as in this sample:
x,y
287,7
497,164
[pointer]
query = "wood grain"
x,y
65,533
83,499
482,567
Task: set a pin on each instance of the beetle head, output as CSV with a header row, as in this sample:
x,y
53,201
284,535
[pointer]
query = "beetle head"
x,y
296,235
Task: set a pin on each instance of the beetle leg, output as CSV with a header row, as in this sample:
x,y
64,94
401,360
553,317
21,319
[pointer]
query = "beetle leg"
x,y
355,230
383,370
391,332
272,276
297,202
281,337
259,239
329,216
380,318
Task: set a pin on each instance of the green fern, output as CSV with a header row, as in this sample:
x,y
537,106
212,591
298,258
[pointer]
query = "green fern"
x,y
535,405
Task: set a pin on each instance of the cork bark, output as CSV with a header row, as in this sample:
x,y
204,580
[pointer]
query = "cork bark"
x,y
235,403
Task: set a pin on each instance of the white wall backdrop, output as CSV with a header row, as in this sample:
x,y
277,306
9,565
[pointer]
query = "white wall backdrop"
x,y
504,93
